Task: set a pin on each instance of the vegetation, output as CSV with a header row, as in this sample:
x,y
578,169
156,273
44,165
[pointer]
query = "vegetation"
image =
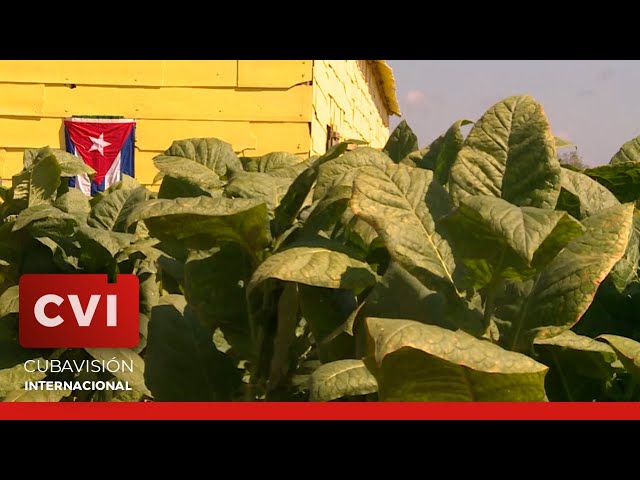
x,y
473,269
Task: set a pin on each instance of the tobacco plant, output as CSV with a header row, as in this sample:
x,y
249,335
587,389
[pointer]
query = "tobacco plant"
x,y
477,268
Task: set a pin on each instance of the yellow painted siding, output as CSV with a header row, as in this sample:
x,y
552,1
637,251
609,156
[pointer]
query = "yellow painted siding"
x,y
345,95
273,73
257,106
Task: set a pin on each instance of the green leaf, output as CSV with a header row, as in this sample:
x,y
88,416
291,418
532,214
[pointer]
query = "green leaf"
x,y
288,320
400,294
316,267
70,165
172,187
621,179
215,287
342,170
111,242
510,153
11,353
53,218
216,155
626,270
205,222
562,143
400,203
9,301
15,378
443,151
628,352
629,152
258,186
36,395
341,378
276,164
189,171
416,362
416,159
123,356
590,196
324,310
401,143
45,180
297,194
112,211
533,233
566,287
580,366
181,361
75,203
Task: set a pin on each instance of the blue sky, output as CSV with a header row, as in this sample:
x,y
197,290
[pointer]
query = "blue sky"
x,y
593,103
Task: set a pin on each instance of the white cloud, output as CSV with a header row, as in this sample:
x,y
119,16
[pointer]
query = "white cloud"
x,y
415,97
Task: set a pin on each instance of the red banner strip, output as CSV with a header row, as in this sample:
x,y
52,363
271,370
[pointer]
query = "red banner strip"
x,y
320,411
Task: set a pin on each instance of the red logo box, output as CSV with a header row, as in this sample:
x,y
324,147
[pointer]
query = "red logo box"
x,y
78,311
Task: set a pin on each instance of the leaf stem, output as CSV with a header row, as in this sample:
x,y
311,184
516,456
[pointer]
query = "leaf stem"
x,y
492,290
563,379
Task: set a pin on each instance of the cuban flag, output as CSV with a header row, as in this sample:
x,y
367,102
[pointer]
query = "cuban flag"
x,y
106,145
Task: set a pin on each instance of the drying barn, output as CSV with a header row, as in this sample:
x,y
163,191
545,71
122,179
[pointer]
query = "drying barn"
x,y
258,106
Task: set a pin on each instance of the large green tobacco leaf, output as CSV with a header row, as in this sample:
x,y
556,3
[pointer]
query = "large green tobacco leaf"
x,y
535,234
216,155
510,153
443,151
45,180
135,378
14,378
416,362
112,211
204,222
172,187
416,159
588,195
258,186
400,294
36,395
622,179
626,270
342,170
316,267
628,352
341,378
288,307
276,164
566,287
629,152
75,203
299,191
400,203
47,217
11,353
215,287
181,360
324,310
189,171
70,165
401,143
580,366
9,301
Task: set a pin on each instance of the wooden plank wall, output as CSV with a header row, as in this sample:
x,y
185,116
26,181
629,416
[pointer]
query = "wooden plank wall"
x,y
258,106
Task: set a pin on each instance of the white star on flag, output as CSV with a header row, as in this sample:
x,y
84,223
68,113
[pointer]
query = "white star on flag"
x,y
98,144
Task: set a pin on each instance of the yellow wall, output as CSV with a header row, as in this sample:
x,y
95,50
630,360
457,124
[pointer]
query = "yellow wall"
x,y
345,95
258,106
